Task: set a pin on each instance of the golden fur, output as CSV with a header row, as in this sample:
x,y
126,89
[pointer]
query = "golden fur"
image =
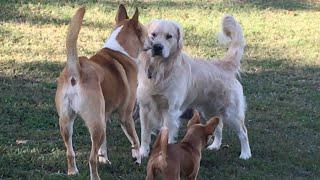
x,y
171,82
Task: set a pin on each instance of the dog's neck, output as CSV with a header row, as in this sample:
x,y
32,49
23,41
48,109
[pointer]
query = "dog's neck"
x,y
159,69
112,43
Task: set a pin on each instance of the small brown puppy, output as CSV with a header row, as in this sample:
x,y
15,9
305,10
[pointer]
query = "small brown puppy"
x,y
173,161
97,86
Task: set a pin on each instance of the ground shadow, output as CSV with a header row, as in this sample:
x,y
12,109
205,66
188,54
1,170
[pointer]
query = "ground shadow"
x,y
10,13
286,4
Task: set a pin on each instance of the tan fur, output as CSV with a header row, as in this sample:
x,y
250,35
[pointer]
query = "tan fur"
x,y
173,161
97,86
172,82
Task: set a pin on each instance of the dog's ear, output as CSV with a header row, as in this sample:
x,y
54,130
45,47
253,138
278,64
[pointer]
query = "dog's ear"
x,y
121,14
162,143
211,125
180,35
162,138
134,21
194,120
135,16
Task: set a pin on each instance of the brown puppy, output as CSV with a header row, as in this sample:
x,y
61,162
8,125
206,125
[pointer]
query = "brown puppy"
x,y
100,85
173,161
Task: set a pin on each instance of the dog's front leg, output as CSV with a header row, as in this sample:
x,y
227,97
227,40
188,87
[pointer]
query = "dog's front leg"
x,y
146,129
171,121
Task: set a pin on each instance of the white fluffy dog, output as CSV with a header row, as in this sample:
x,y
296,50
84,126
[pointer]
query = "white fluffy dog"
x,y
170,82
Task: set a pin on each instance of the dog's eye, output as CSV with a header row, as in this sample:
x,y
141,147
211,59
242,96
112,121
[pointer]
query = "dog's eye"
x,y
153,34
168,36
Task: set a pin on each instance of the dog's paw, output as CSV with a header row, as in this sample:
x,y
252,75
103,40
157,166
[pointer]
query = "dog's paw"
x,y
136,157
73,171
136,161
104,160
214,146
144,152
245,155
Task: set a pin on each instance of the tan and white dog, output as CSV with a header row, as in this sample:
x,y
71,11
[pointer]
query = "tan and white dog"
x,y
170,82
97,86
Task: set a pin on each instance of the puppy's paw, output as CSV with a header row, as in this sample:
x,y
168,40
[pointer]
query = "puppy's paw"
x,y
73,171
245,155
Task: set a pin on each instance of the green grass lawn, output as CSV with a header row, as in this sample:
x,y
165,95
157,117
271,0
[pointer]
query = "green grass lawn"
x,y
281,79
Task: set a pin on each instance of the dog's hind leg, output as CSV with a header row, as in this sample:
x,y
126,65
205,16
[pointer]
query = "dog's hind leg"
x,y
92,111
66,131
98,136
236,117
242,133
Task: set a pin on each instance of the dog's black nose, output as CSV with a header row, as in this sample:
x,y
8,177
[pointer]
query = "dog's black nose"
x,y
157,49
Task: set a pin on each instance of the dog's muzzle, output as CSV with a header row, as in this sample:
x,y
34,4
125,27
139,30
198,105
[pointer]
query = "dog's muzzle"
x,y
157,50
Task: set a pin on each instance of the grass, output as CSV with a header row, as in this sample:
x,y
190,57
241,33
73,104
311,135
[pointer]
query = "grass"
x,y
281,79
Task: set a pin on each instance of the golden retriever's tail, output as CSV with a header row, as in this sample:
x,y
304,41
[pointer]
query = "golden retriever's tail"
x,y
162,143
232,29
73,66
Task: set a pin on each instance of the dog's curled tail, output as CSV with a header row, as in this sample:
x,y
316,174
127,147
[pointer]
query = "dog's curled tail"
x,y
232,29
162,143
73,65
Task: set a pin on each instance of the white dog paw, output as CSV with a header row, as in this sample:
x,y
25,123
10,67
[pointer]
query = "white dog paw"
x,y
136,156
245,155
104,160
136,160
73,171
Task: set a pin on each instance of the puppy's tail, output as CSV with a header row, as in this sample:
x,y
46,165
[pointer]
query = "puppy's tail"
x,y
73,66
231,29
162,143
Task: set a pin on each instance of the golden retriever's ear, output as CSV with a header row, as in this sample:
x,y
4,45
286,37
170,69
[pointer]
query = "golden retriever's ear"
x,y
194,120
121,14
211,125
180,35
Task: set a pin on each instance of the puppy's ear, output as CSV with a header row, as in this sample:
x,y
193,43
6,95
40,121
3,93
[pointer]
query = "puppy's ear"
x,y
121,14
162,139
211,125
162,143
180,35
194,120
